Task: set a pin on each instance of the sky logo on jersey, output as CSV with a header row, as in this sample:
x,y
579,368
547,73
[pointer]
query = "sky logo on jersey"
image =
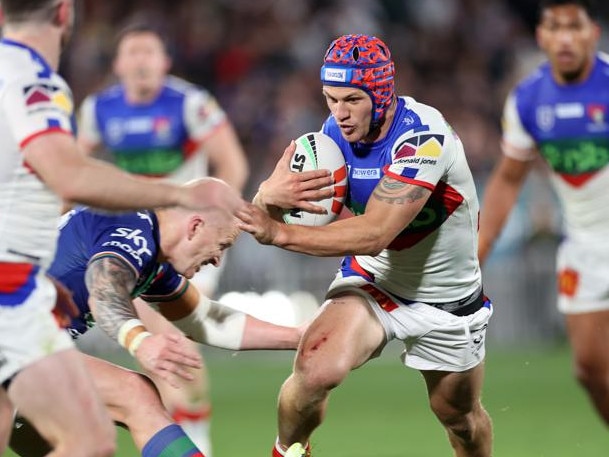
x,y
131,242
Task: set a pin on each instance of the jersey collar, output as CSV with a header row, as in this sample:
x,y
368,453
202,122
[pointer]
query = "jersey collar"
x,y
47,71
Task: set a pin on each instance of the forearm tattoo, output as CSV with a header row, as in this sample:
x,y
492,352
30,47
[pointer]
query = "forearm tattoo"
x,y
397,192
110,282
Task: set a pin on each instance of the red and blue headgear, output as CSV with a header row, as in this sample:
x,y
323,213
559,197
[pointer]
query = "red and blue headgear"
x,y
364,62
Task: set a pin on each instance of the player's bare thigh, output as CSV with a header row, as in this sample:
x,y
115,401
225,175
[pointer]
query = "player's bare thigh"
x,y
453,393
589,336
55,408
343,336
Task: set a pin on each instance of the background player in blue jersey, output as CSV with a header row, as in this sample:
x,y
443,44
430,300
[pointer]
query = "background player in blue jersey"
x,y
109,260
157,125
411,271
561,113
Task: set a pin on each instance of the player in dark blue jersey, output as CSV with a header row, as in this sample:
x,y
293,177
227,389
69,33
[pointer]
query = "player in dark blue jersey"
x,y
561,112
109,260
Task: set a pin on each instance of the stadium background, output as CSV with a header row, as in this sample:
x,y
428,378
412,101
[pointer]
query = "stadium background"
x,y
261,59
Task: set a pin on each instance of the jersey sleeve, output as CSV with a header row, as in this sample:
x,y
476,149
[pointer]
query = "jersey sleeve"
x,y
128,238
516,143
202,114
88,128
423,158
166,286
36,107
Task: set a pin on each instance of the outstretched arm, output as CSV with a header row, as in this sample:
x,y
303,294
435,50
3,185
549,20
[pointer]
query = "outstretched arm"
x,y
110,282
209,322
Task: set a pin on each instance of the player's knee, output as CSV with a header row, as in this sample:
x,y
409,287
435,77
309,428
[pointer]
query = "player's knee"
x,y
318,375
137,395
460,423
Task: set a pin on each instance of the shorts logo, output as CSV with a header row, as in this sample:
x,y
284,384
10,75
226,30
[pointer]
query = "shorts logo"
x,y
568,282
335,74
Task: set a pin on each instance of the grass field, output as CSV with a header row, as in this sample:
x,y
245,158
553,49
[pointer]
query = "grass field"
x,y
381,410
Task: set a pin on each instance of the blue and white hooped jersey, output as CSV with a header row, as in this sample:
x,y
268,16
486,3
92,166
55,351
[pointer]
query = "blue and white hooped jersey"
x,y
155,139
34,101
568,124
86,236
434,259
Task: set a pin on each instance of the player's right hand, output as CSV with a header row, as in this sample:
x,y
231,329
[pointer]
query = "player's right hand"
x,y
286,189
168,356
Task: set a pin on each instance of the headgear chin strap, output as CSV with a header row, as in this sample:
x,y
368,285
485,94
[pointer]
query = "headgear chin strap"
x,y
364,62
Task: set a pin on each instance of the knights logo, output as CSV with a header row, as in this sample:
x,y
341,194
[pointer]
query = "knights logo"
x,y
545,117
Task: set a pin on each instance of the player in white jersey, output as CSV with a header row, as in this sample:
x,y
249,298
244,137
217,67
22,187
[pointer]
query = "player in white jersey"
x,y
157,125
411,271
40,165
560,112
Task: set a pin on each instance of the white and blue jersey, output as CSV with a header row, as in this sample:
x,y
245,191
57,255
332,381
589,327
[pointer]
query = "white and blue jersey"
x,y
34,101
159,138
87,236
568,124
434,259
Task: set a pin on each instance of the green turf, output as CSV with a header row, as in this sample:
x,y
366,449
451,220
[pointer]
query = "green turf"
x,y
381,410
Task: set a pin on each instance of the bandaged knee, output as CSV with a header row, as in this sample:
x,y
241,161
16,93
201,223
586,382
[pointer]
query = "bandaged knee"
x,y
214,324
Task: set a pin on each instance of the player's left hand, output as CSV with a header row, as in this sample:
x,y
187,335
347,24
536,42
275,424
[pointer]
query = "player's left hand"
x,y
258,223
287,189
65,309
169,356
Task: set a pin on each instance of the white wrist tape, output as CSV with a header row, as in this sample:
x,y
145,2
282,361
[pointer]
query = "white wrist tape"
x,y
215,324
125,330
135,343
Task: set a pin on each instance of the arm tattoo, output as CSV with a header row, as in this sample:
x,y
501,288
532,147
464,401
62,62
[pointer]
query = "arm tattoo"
x,y
397,192
110,282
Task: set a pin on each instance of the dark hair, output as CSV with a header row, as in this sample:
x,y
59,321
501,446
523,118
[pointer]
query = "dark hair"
x,y
589,6
137,28
25,10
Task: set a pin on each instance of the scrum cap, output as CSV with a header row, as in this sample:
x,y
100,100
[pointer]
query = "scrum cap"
x,y
364,62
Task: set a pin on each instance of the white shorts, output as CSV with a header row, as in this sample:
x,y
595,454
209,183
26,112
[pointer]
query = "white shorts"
x,y
434,339
582,277
28,330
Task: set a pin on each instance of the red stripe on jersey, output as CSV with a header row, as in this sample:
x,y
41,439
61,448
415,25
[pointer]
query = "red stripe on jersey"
x,y
415,182
13,276
381,298
25,142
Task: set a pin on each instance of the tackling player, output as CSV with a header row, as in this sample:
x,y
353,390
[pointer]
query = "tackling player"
x,y
561,112
109,260
410,273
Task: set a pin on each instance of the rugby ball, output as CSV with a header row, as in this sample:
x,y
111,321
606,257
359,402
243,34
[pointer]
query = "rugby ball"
x,y
317,151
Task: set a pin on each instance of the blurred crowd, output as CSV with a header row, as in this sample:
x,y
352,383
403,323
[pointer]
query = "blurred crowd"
x,y
261,59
